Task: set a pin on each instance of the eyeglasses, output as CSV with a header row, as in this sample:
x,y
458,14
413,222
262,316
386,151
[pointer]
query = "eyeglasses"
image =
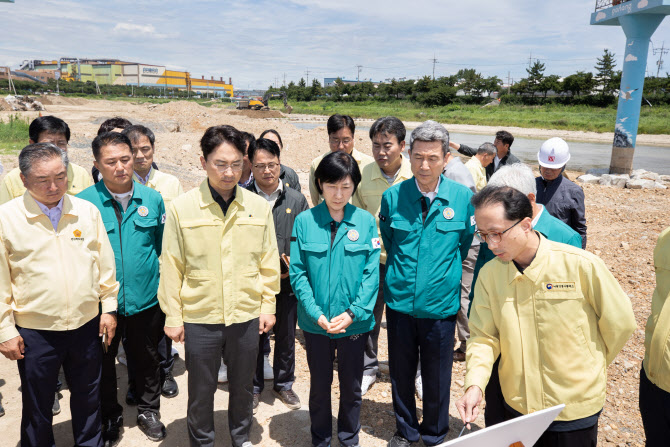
x,y
235,167
270,166
493,237
335,142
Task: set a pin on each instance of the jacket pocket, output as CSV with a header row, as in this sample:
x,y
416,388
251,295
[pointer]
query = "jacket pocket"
x,y
401,229
445,227
200,293
249,234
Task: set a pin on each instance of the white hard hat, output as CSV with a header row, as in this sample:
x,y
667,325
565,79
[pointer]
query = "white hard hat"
x,y
554,153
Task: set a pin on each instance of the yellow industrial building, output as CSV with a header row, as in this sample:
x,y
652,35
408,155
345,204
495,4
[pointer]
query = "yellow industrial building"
x,y
116,72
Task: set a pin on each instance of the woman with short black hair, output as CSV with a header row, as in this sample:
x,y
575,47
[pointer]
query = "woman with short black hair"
x,y
335,276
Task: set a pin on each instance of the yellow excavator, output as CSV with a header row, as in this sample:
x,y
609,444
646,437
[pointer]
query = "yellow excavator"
x,y
262,104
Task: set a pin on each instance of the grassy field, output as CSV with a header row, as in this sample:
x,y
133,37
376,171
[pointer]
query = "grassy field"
x,y
13,131
652,120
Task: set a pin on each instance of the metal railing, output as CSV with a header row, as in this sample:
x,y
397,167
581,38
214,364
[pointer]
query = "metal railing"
x,y
602,4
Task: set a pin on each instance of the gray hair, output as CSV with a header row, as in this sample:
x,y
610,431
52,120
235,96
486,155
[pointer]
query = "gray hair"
x,y
431,131
487,149
518,176
40,152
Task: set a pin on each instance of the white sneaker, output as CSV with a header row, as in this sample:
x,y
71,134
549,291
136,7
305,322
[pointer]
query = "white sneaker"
x,y
223,373
418,386
268,373
366,383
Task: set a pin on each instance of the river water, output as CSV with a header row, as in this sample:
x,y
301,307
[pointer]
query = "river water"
x,y
584,156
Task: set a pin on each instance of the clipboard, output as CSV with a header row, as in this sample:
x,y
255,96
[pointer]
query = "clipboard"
x,y
522,431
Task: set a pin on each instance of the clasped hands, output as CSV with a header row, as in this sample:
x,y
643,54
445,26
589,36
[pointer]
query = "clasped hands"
x,y
336,325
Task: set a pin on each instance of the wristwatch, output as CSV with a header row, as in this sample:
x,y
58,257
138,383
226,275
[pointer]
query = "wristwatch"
x,y
351,314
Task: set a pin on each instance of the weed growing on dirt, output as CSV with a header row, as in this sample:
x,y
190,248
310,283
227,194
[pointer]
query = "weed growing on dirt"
x,y
13,134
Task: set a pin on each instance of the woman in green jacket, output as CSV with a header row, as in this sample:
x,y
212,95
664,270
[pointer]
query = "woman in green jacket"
x,y
334,272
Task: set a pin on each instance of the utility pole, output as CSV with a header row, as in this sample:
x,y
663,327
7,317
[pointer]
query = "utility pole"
x,y
508,83
660,51
284,80
434,62
530,59
358,75
307,73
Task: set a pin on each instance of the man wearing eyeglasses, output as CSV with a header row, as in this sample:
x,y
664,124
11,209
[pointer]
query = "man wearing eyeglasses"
x,y
46,129
341,130
286,204
219,278
554,313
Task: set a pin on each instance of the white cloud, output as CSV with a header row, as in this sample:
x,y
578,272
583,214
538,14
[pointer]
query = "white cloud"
x,y
631,58
131,27
643,4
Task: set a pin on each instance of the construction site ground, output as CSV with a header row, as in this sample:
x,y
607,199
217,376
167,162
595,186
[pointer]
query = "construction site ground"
x,y
623,226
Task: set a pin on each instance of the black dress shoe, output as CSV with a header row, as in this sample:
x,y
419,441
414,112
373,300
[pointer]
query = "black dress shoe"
x,y
170,388
131,397
111,431
398,441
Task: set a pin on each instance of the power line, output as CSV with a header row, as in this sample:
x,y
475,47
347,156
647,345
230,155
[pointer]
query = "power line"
x,y
358,75
434,62
660,51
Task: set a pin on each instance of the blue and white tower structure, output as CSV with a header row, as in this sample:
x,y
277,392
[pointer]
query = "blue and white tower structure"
x,y
639,19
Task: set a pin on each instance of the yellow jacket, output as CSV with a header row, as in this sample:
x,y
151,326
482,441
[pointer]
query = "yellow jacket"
x,y
218,269
368,196
316,198
167,185
478,172
78,179
657,334
556,327
53,280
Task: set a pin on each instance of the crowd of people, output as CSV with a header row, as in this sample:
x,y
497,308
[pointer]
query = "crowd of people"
x,y
120,264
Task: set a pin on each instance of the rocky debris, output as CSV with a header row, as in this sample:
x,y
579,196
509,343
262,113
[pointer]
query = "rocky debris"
x,y
639,179
589,178
625,245
615,180
24,103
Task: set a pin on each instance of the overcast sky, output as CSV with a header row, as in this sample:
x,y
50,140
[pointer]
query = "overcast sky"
x,y
256,41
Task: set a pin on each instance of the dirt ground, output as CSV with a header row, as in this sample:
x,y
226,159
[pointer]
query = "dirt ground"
x,y
622,228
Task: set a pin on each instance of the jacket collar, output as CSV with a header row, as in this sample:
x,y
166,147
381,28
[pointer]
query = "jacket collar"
x,y
442,191
206,199
33,210
106,197
324,218
536,267
404,173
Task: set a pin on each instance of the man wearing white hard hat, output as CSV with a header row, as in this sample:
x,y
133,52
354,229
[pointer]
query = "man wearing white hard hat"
x,y
561,197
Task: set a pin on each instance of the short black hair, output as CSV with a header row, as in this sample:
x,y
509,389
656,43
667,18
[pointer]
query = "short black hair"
x,y
263,144
337,122
516,204
217,135
249,138
109,139
48,124
337,166
389,125
505,137
275,133
114,123
136,131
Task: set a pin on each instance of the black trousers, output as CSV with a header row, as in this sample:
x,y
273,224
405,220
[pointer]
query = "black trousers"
x,y
204,344
495,412
655,411
321,351
585,437
435,340
79,352
283,365
371,361
143,331
164,353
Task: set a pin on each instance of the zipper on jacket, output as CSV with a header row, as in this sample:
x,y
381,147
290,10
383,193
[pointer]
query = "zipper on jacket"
x,y
119,217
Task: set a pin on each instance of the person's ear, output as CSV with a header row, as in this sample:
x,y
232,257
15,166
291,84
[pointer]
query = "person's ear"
x,y
203,162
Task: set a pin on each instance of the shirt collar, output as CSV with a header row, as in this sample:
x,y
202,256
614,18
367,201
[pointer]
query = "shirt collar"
x,y
324,218
536,267
426,194
46,209
404,173
277,191
248,182
144,180
33,210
